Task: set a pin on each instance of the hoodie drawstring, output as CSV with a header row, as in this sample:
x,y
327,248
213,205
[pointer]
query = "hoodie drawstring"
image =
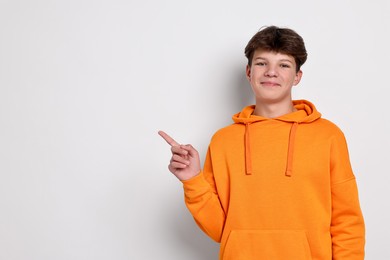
x,y
290,153
248,159
305,113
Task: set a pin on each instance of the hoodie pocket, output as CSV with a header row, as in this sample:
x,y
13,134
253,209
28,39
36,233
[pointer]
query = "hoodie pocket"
x,y
267,245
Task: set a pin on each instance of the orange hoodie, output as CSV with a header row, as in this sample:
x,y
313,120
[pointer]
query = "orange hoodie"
x,y
280,188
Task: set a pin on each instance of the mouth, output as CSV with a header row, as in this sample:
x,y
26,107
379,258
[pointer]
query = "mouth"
x,y
269,84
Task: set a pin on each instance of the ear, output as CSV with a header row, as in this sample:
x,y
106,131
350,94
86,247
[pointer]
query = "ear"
x,y
248,72
298,77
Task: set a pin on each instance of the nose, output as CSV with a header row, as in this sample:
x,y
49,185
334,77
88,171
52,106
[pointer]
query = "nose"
x,y
271,72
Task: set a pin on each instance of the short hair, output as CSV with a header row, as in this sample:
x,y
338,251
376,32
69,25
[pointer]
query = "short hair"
x,y
276,39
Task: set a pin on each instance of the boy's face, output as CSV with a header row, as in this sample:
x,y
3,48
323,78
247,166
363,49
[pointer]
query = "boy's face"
x,y
272,75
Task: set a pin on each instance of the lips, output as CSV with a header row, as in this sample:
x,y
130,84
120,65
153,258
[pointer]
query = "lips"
x,y
269,84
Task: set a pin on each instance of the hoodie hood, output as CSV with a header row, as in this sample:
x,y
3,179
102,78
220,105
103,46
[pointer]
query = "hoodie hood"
x,y
306,113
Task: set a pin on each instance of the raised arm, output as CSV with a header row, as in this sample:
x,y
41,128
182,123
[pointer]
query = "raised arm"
x,y
201,197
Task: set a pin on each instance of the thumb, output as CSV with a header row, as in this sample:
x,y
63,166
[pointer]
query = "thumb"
x,y
190,149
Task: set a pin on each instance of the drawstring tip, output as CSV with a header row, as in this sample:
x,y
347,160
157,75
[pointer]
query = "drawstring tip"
x,y
288,173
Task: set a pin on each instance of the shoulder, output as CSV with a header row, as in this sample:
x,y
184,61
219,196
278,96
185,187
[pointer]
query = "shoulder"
x,y
328,128
227,133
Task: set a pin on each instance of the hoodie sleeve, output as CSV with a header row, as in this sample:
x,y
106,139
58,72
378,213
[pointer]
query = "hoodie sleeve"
x,y
202,200
347,225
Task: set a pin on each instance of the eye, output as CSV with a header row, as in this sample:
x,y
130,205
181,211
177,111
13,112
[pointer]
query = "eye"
x,y
261,63
284,65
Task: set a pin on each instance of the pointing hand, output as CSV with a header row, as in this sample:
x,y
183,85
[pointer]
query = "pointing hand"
x,y
185,162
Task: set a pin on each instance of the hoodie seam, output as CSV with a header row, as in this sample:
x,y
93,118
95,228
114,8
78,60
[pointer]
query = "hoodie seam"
x,y
343,181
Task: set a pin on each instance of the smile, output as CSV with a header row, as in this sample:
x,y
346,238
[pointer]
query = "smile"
x,y
269,84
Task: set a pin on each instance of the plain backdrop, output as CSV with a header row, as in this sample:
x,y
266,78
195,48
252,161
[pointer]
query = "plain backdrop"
x,y
85,86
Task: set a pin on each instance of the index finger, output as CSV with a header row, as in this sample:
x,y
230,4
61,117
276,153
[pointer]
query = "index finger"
x,y
168,139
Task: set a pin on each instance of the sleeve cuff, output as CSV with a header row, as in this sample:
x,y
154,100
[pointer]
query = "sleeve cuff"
x,y
196,183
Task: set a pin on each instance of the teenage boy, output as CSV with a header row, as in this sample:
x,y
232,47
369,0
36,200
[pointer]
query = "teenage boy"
x,y
277,184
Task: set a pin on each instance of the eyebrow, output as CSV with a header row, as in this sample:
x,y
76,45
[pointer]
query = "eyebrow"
x,y
283,60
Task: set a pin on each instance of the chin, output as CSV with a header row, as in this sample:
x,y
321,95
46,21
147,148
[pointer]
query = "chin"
x,y
271,99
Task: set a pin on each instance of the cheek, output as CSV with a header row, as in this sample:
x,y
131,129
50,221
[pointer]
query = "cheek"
x,y
291,78
254,74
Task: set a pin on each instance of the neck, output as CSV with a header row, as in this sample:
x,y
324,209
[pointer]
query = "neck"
x,y
273,110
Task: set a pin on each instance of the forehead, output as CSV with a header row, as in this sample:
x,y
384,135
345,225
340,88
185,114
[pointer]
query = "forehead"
x,y
272,55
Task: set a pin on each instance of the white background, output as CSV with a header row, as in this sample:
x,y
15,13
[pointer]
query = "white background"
x,y
86,85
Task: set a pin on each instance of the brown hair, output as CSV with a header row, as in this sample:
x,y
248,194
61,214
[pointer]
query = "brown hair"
x,y
276,39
